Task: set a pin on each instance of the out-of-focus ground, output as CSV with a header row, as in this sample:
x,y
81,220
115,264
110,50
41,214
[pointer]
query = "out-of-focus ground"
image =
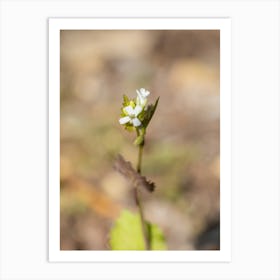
x,y
181,154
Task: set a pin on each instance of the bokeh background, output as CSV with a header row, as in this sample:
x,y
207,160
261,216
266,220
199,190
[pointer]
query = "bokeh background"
x,y
182,148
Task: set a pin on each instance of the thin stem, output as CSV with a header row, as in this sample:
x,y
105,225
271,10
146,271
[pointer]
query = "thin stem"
x,y
138,201
139,163
143,223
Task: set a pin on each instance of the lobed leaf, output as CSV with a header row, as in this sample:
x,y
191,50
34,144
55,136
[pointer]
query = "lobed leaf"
x,y
136,179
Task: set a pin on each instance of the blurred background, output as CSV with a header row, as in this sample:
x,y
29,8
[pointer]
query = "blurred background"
x,y
182,148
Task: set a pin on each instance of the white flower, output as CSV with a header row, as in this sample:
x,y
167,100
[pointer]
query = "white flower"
x,y
142,96
131,115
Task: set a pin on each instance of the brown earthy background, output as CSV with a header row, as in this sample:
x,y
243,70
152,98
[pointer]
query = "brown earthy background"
x,y
182,144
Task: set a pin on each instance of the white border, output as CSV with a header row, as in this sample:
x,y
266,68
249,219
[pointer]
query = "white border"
x,y
55,25
255,139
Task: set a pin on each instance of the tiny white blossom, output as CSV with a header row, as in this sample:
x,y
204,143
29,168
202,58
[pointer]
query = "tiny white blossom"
x,y
131,115
142,96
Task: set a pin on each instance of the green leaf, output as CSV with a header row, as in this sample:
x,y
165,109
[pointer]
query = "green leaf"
x,y
126,234
149,113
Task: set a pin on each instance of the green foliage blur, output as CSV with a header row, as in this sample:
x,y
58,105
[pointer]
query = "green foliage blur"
x,y
126,234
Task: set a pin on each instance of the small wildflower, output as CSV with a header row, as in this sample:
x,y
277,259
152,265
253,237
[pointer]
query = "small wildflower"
x,y
136,114
131,115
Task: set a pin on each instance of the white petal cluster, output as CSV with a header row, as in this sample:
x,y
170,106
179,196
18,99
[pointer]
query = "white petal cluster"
x,y
142,95
131,115
131,112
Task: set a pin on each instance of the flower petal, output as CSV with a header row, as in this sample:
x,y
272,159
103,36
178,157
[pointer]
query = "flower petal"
x,y
139,97
140,100
137,110
124,120
136,122
129,110
144,92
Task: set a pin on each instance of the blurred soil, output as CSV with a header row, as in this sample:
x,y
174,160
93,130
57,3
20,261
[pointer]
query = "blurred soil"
x,y
182,146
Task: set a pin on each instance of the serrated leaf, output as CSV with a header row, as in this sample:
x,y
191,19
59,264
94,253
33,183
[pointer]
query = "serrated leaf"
x,y
126,234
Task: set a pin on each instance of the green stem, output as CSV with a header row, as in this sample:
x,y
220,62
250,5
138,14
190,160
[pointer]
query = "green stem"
x,y
138,201
139,163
